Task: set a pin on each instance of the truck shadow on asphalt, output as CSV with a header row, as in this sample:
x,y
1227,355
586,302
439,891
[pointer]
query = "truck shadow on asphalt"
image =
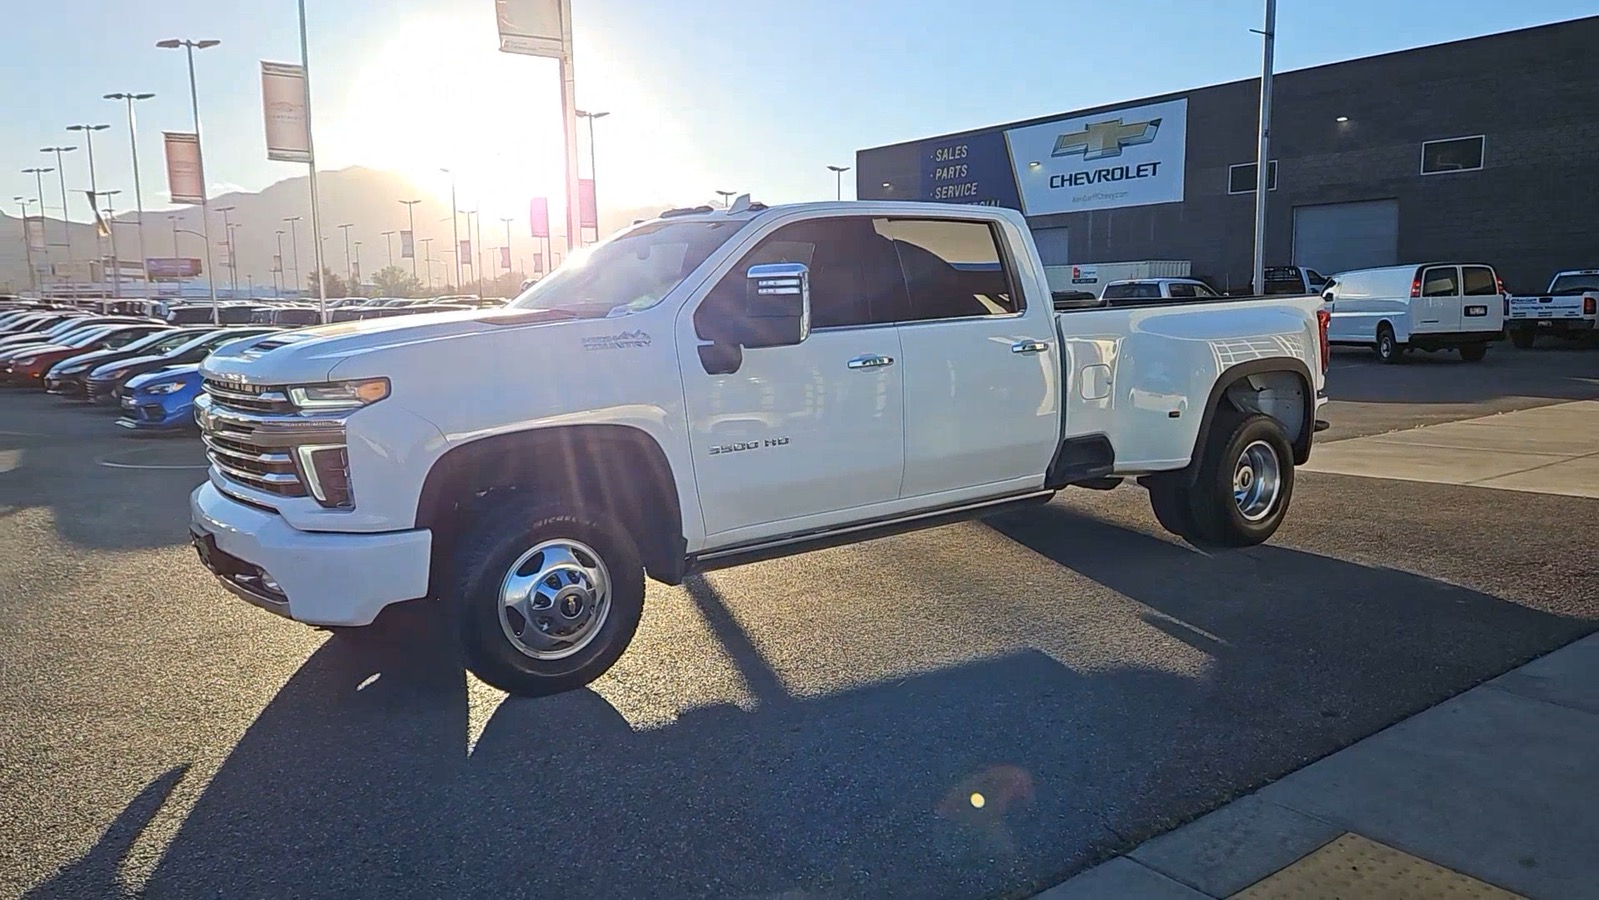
x,y
1005,774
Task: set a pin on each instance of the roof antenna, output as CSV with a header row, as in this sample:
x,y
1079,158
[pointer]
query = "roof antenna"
x,y
742,204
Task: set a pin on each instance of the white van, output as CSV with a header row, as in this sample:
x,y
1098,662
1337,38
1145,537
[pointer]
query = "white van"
x,y
1436,306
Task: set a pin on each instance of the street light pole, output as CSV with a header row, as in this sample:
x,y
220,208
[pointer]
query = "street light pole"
x,y
138,188
388,241
348,272
410,224
838,180
66,224
727,198
38,182
427,251
116,261
507,220
1263,153
174,221
94,184
27,245
294,246
356,274
455,227
277,272
205,204
227,235
594,178
477,239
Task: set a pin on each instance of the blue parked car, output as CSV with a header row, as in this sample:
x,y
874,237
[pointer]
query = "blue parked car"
x,y
162,400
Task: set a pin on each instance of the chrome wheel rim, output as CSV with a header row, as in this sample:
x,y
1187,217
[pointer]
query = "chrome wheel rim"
x,y
1257,480
554,599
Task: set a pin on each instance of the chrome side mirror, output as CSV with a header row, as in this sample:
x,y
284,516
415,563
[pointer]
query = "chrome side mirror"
x,y
777,305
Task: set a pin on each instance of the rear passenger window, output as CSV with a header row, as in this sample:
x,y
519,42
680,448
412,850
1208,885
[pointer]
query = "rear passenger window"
x,y
1118,291
953,269
1183,290
1441,281
1480,281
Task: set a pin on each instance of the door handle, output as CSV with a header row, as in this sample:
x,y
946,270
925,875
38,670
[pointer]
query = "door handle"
x,y
871,361
1029,347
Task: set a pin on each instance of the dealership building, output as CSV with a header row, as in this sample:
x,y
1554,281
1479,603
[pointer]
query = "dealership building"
x,y
1483,150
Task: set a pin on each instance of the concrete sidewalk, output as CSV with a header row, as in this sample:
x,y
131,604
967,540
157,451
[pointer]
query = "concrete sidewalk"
x,y
1546,450
1494,793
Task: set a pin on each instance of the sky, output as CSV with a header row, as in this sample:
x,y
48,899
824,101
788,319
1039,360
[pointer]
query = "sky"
x,y
703,95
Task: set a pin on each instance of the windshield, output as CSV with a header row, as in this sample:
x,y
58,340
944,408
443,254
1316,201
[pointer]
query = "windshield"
x,y
631,272
1575,284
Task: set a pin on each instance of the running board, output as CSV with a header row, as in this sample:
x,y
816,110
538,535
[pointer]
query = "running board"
x,y
851,534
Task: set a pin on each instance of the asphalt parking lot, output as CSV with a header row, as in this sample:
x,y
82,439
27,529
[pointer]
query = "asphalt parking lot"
x,y
979,710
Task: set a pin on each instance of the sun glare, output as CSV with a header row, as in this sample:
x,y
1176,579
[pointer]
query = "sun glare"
x,y
437,93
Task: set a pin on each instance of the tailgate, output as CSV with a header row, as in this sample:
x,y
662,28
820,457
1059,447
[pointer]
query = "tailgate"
x,y
1559,307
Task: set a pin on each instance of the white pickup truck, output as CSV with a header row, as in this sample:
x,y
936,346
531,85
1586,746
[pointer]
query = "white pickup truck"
x,y
716,387
1569,309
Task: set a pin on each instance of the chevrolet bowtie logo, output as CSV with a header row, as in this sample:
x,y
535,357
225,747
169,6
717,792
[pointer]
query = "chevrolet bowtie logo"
x,y
1103,139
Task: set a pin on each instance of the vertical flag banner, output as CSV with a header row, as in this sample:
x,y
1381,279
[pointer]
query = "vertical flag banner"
x,y
34,226
530,27
185,176
100,226
539,217
288,134
588,216
505,258
466,253
277,263
407,246
538,264
355,272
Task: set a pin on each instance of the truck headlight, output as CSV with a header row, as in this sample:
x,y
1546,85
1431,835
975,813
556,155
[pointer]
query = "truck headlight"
x,y
340,394
168,388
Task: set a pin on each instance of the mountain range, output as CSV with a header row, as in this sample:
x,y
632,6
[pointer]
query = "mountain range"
x,y
367,199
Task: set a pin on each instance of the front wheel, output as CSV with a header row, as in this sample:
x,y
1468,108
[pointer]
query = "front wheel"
x,y
1473,352
1245,481
547,599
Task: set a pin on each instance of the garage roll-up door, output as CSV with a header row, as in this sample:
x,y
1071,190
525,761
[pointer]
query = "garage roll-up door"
x,y
1051,245
1336,237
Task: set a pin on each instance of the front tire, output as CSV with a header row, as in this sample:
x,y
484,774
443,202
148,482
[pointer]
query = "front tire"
x,y
1473,352
1245,481
547,599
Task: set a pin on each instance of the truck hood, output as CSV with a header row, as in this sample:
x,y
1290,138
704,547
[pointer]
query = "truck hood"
x,y
308,355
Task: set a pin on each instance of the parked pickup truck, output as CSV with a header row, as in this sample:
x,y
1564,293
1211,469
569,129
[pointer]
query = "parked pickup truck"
x,y
1569,309
1143,291
715,387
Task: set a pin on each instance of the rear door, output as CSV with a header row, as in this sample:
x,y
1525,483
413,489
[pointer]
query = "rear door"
x,y
980,414
1438,308
1482,306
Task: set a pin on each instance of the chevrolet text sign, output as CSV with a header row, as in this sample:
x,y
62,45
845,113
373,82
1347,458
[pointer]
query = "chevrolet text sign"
x,y
1126,157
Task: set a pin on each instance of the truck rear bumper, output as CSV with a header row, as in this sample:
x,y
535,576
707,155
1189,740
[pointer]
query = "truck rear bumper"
x,y
312,577
1566,324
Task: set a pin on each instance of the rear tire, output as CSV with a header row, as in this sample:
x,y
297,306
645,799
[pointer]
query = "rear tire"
x,y
1473,352
1522,338
577,594
1387,347
1244,483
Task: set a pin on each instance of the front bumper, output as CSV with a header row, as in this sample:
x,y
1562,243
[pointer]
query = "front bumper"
x,y
105,393
148,414
322,578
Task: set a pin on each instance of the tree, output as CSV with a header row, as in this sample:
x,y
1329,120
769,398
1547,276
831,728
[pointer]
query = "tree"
x,y
393,281
332,283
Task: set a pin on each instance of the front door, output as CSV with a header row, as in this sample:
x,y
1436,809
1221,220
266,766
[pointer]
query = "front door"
x,y
807,436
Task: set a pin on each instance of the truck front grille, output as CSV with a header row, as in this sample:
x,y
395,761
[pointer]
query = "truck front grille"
x,y
255,437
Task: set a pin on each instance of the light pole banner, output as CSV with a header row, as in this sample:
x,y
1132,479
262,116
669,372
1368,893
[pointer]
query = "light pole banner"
x,y
185,176
407,246
34,226
539,216
531,27
587,215
466,254
538,264
277,263
505,258
288,135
